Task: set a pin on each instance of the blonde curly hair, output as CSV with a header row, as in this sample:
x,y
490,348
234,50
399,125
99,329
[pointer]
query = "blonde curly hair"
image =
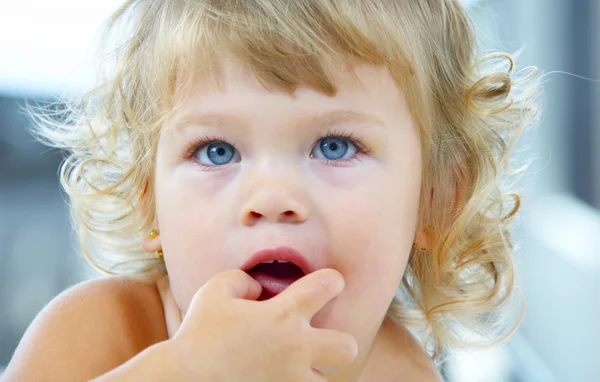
x,y
469,111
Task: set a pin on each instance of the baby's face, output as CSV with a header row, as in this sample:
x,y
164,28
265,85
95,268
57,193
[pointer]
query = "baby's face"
x,y
335,178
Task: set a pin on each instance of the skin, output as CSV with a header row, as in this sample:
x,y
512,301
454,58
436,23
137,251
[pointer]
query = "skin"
x,y
358,217
357,214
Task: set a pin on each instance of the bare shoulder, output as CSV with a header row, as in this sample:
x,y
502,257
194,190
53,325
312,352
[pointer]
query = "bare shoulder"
x,y
88,330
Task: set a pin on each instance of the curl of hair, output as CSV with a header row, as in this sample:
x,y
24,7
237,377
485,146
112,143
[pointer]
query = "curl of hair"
x,y
470,113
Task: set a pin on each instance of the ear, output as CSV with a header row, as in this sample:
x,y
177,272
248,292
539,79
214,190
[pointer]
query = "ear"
x,y
151,242
422,237
151,238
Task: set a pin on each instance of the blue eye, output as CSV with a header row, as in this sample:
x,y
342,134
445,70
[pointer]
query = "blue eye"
x,y
216,154
334,148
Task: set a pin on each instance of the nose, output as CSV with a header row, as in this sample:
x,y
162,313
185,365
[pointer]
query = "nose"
x,y
273,196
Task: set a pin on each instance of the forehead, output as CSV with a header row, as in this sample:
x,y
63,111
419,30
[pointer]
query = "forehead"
x,y
230,94
237,81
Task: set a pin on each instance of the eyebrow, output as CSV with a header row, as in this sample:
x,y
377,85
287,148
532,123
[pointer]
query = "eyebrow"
x,y
328,118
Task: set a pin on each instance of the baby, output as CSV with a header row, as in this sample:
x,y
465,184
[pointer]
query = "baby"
x,y
285,190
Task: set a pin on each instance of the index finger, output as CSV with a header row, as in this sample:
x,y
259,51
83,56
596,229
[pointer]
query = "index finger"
x,y
310,293
232,284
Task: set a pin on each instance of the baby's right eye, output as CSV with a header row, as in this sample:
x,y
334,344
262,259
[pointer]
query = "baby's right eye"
x,y
217,153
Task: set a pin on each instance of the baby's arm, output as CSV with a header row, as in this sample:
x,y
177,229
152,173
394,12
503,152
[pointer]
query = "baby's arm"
x,y
89,330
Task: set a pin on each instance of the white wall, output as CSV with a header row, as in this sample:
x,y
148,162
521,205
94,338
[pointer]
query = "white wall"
x,y
45,45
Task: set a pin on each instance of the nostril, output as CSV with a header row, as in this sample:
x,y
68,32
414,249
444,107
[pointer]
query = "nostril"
x,y
251,216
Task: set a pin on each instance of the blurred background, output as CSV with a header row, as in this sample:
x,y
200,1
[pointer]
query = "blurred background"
x,y
45,51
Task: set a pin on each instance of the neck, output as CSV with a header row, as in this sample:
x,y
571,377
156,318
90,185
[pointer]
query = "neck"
x,y
395,355
362,369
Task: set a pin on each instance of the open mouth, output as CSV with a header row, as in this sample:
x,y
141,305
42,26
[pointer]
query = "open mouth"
x,y
275,276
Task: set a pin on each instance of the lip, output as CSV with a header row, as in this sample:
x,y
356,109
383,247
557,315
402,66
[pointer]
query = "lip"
x,y
279,253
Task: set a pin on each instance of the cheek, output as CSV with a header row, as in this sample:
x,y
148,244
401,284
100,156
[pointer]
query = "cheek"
x,y
378,242
373,241
189,235
376,224
375,231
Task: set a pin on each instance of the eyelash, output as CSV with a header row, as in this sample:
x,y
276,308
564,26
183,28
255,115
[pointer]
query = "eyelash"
x,y
361,148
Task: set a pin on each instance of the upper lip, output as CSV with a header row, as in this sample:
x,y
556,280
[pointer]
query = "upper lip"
x,y
279,253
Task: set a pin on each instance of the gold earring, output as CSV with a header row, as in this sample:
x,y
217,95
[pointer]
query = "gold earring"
x,y
153,234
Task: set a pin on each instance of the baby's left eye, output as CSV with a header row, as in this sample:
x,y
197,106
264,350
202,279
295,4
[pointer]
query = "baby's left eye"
x,y
334,148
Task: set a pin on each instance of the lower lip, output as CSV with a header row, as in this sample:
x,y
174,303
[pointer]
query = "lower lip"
x,y
272,286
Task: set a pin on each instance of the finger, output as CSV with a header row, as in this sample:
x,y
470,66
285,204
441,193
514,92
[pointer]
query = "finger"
x,y
310,293
232,284
332,348
316,376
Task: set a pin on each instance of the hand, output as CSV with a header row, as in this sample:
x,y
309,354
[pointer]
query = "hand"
x,y
227,335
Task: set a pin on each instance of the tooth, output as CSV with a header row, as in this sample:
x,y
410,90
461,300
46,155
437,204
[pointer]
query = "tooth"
x,y
282,261
268,262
